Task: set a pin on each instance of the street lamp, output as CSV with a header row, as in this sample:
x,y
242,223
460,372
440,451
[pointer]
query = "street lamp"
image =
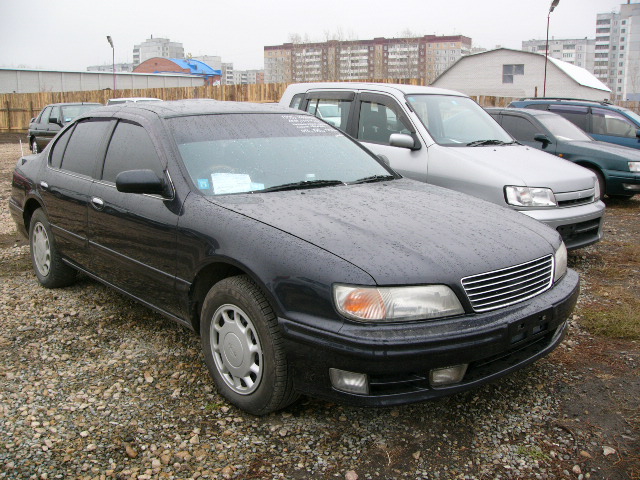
x,y
554,4
113,52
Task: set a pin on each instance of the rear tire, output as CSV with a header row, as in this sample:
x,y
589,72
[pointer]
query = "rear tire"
x,y
48,266
243,349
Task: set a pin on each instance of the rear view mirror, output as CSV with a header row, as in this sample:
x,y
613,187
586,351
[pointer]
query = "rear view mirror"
x,y
140,181
401,140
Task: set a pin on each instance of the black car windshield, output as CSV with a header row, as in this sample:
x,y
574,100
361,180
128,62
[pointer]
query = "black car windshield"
x,y
241,153
69,112
563,129
457,121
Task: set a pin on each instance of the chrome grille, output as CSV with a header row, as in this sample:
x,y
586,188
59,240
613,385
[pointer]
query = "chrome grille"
x,y
491,290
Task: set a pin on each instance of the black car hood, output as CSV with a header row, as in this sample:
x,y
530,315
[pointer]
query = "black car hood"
x,y
402,231
609,149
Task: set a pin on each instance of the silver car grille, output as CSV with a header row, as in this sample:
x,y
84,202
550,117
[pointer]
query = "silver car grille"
x,y
499,288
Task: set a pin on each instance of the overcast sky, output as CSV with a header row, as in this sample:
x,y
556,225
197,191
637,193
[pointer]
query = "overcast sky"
x,y
71,34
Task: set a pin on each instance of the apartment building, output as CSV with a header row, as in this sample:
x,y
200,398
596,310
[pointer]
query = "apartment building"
x,y
576,51
617,51
423,57
244,77
157,47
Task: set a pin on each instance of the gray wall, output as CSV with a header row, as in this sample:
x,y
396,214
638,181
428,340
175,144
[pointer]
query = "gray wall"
x,y
32,81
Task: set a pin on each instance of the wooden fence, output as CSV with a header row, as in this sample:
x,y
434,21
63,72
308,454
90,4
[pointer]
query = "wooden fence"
x,y
17,109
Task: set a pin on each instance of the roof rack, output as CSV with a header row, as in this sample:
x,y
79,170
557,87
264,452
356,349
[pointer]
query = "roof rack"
x,y
564,99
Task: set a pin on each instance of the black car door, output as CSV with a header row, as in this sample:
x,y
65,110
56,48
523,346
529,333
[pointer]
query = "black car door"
x,y
39,126
132,237
66,182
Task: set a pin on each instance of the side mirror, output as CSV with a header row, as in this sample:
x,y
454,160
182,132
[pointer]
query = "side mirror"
x,y
638,133
34,119
140,181
402,140
542,138
54,120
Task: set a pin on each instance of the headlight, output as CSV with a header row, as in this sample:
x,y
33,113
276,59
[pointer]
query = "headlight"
x,y
384,304
634,167
560,262
529,196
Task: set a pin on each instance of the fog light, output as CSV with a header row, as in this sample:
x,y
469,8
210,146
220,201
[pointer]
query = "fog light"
x,y
349,382
439,377
631,186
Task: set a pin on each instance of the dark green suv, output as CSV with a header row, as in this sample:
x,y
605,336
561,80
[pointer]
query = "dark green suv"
x,y
602,120
51,119
617,168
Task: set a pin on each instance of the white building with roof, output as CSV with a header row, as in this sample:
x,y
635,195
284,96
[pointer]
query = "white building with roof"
x,y
514,73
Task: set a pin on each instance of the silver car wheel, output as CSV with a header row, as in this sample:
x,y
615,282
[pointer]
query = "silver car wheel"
x,y
34,146
41,249
236,349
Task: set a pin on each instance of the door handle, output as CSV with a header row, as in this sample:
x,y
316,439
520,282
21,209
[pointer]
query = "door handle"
x,y
97,203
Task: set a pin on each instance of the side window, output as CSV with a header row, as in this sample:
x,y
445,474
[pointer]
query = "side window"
x,y
295,101
57,151
575,114
131,148
378,121
81,153
607,122
44,117
55,116
519,128
334,112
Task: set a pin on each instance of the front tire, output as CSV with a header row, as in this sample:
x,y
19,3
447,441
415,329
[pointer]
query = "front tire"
x,y
49,268
243,349
34,146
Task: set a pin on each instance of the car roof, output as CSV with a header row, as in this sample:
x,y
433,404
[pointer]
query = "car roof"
x,y
383,87
568,101
64,104
180,108
524,111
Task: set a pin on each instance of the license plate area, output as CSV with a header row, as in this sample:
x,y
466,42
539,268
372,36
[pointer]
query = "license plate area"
x,y
531,327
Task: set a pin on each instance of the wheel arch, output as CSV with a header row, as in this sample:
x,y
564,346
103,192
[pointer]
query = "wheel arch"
x,y
207,277
30,206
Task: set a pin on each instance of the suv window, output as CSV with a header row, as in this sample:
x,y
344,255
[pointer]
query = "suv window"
x,y
378,121
80,155
332,111
44,117
295,101
573,113
607,122
58,149
130,148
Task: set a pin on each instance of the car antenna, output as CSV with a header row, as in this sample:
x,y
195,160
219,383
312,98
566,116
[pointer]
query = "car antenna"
x,y
21,149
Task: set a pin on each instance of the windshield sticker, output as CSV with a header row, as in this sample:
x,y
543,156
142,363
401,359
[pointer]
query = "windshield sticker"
x,y
203,184
230,183
307,124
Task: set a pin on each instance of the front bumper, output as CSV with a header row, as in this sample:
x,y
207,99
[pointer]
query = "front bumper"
x,y
397,358
622,183
579,226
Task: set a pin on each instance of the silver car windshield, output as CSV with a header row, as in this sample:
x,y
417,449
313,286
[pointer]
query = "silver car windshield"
x,y
258,153
457,121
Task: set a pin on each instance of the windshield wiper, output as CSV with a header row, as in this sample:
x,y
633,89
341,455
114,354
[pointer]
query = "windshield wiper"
x,y
479,143
303,184
374,178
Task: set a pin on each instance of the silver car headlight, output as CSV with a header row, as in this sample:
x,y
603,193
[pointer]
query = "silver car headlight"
x,y
634,167
560,262
385,304
530,196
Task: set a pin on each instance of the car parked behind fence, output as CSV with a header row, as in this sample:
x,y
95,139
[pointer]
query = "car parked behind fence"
x,y
305,264
51,119
617,167
444,138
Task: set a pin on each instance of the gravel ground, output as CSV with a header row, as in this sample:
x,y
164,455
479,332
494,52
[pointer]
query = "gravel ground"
x,y
95,386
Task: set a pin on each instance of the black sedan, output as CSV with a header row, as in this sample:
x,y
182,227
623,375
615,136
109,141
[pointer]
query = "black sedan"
x,y
303,262
617,167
